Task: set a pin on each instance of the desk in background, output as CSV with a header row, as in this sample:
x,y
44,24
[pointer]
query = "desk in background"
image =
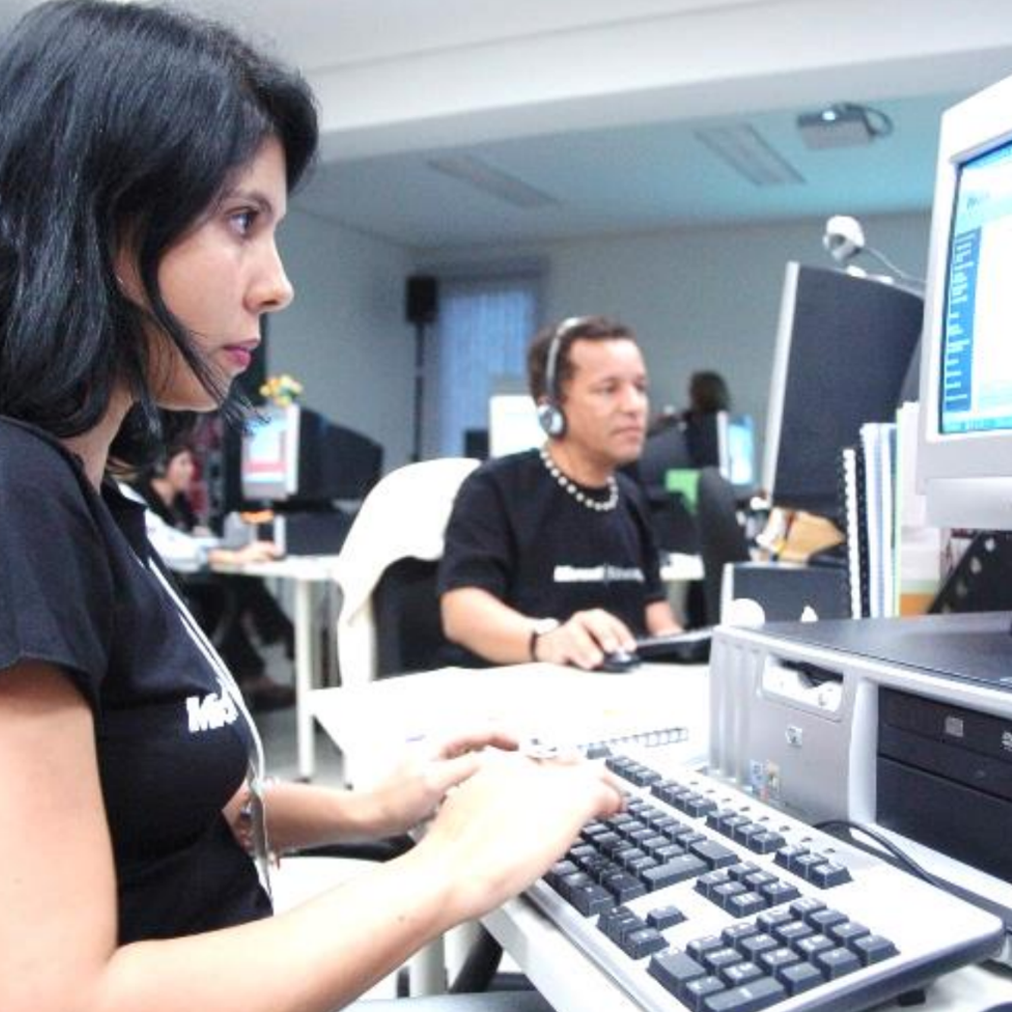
x,y
310,574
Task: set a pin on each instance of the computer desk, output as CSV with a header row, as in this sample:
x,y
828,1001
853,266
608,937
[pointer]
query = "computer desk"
x,y
372,723
308,573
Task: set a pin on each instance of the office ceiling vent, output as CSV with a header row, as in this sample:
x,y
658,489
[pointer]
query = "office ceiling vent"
x,y
494,182
747,152
843,125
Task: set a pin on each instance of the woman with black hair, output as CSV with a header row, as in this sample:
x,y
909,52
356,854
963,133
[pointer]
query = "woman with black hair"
x,y
145,162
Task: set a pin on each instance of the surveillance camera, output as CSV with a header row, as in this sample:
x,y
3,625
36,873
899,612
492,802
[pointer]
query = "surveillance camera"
x,y
843,237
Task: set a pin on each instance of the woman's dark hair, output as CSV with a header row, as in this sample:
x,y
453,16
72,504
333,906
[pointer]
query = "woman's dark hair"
x,y
575,328
119,123
708,393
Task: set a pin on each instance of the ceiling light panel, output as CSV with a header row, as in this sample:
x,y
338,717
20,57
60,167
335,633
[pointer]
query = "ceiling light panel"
x,y
745,150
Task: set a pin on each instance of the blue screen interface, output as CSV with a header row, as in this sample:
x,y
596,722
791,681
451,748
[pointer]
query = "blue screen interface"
x,y
976,375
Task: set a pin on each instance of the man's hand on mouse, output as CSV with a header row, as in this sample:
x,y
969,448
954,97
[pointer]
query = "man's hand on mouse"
x,y
584,639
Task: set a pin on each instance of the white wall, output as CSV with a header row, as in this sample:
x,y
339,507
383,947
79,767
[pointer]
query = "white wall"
x,y
344,337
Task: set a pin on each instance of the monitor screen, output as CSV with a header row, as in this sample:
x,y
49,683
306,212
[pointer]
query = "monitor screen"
x,y
965,450
512,424
843,349
269,468
737,450
297,457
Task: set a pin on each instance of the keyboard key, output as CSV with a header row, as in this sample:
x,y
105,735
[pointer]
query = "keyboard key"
x,y
788,934
717,960
758,994
739,872
665,917
745,904
723,894
715,854
799,977
837,962
734,933
698,806
705,884
740,973
643,942
771,918
674,970
810,947
830,874
805,864
678,869
774,960
754,946
786,855
591,899
776,893
624,886
618,923
699,947
759,878
823,920
697,991
806,906
872,949
846,932
765,842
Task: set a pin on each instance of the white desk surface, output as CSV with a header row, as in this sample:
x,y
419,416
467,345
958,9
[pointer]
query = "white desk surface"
x,y
371,723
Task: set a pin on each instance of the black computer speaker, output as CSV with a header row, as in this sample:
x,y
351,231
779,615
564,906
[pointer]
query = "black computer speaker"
x,y
421,299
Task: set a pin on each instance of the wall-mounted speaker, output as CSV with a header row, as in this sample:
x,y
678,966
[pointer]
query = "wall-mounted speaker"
x,y
421,299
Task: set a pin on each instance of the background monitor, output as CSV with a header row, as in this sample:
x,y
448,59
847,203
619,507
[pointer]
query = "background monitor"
x,y
512,424
296,457
964,462
736,444
843,349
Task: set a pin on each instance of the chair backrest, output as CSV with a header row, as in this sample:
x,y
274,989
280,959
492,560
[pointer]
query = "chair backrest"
x,y
721,538
389,617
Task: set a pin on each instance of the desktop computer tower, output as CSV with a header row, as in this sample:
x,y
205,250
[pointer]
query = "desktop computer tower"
x,y
903,725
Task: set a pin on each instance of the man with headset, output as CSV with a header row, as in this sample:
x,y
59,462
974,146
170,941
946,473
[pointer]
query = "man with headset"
x,y
549,554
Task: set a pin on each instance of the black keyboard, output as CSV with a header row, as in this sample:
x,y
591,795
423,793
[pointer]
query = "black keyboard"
x,y
692,647
699,897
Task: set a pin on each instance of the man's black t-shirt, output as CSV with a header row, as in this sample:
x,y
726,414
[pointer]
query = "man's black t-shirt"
x,y
78,590
517,534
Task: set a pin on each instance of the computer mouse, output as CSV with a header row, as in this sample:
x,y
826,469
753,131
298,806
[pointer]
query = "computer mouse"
x,y
618,661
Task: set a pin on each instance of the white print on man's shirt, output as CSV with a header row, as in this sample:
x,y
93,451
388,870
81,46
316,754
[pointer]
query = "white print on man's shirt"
x,y
598,574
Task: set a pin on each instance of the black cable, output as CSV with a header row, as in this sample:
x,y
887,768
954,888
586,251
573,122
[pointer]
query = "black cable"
x,y
906,862
901,858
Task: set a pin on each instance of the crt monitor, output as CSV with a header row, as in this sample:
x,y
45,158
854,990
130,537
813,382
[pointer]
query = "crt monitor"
x,y
964,462
843,349
293,456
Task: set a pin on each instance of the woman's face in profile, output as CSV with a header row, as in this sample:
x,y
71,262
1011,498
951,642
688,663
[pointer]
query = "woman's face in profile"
x,y
220,278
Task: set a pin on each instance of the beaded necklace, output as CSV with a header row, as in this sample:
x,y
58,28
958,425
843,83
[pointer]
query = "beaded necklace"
x,y
598,505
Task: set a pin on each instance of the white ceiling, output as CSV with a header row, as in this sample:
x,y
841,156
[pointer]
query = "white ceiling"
x,y
598,104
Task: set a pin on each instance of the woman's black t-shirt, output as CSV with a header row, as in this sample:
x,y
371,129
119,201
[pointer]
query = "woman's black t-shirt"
x,y
515,533
78,589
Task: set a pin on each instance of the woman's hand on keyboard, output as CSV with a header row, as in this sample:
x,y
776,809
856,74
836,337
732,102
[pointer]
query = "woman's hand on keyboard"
x,y
500,830
428,770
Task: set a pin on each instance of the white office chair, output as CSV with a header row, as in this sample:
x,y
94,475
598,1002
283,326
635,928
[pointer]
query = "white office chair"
x,y
402,518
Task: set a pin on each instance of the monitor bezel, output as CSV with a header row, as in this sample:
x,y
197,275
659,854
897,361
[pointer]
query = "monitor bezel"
x,y
965,476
